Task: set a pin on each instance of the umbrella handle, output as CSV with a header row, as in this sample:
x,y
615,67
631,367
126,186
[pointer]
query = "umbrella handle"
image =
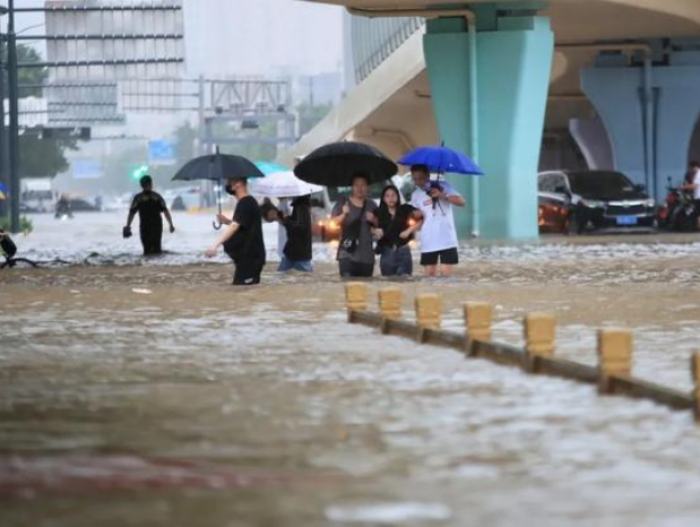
x,y
216,224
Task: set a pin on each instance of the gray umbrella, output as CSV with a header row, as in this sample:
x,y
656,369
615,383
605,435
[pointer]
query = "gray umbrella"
x,y
218,167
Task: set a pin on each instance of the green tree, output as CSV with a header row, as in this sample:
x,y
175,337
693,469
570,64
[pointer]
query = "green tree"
x,y
39,157
185,137
34,77
309,116
43,157
119,165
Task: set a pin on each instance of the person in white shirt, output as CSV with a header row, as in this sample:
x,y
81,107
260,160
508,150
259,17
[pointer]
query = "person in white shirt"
x,y
693,185
434,201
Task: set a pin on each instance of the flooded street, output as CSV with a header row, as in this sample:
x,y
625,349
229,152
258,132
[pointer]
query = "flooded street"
x,y
151,392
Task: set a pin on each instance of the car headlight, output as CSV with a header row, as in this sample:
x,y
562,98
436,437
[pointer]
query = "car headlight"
x,y
593,204
650,203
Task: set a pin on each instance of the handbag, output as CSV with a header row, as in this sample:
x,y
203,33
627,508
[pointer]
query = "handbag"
x,y
351,234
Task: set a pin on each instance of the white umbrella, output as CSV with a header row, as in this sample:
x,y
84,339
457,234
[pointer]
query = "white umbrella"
x,y
282,185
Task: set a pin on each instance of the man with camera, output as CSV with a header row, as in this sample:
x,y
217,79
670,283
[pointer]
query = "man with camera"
x,y
434,201
356,215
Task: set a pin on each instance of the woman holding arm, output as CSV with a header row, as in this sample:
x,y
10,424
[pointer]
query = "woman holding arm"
x,y
357,218
397,225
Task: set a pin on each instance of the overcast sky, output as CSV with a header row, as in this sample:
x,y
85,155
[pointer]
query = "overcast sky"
x,y
251,37
260,36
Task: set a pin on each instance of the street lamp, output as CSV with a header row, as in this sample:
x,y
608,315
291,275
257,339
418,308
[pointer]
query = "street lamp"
x,y
3,135
13,136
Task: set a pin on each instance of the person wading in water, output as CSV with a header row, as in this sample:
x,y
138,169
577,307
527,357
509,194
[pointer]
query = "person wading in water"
x,y
356,215
243,237
149,205
397,225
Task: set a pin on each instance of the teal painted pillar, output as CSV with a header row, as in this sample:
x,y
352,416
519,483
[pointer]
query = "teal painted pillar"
x,y
514,58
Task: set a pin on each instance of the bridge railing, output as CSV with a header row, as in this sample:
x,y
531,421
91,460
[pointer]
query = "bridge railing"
x,y
375,39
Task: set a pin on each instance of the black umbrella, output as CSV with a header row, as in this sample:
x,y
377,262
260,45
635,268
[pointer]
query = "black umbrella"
x,y
218,167
335,164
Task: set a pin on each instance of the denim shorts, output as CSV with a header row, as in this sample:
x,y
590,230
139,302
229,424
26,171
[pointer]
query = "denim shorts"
x,y
305,266
396,261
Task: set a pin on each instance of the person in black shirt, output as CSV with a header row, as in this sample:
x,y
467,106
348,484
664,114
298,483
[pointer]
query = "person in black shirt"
x,y
149,205
356,215
297,251
243,238
63,207
397,225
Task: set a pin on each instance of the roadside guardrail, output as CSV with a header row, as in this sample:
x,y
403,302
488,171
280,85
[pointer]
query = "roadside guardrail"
x,y
612,375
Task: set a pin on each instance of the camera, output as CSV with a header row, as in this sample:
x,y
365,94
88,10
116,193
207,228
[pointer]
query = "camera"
x,y
433,185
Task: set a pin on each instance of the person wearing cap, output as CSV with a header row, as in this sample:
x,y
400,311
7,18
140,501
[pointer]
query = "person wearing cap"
x,y
242,239
149,205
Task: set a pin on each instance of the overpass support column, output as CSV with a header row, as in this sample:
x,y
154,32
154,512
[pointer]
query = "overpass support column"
x,y
649,113
513,62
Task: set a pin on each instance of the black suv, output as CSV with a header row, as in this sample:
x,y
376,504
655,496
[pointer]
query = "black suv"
x,y
595,199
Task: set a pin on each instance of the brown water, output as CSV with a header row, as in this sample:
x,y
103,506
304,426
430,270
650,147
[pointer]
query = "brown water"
x,y
160,395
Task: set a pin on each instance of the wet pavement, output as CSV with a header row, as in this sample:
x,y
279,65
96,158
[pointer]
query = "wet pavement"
x,y
150,392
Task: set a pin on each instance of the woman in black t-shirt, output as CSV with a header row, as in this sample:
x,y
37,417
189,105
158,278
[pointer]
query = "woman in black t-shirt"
x,y
297,251
397,226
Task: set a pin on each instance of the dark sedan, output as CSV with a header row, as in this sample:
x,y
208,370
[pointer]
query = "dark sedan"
x,y
576,201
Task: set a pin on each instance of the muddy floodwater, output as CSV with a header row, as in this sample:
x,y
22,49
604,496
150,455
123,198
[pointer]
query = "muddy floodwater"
x,y
151,392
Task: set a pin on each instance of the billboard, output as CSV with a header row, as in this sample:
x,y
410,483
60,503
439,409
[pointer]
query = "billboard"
x,y
86,169
161,152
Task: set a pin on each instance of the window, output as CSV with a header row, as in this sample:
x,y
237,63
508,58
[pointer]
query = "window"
x,y
546,183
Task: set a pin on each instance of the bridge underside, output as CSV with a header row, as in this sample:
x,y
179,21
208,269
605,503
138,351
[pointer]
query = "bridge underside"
x,y
395,107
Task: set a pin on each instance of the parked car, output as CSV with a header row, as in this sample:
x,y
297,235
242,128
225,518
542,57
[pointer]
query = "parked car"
x,y
576,201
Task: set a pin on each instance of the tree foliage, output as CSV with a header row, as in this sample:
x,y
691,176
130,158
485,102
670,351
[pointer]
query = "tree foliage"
x,y
43,157
34,77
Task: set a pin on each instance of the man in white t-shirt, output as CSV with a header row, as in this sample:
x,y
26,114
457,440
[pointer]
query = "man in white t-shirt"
x,y
694,186
434,201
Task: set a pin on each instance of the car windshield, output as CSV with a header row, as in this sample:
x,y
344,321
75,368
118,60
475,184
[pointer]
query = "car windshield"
x,y
600,184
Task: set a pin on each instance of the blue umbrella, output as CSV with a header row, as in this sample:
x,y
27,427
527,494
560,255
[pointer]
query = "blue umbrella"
x,y
441,159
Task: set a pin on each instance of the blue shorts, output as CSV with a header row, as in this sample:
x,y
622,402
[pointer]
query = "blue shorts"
x,y
396,261
305,266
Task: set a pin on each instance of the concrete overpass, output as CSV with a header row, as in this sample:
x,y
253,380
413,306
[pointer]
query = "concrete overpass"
x,y
617,79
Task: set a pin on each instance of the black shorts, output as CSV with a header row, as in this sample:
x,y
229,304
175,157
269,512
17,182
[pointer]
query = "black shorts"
x,y
446,257
248,272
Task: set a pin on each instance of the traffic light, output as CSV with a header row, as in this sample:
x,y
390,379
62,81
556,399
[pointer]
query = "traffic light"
x,y
138,172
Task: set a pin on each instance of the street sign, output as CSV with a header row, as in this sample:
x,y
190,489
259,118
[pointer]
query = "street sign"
x,y
86,169
161,152
81,133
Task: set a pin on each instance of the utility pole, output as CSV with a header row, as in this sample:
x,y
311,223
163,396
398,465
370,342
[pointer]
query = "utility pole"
x,y
14,118
3,135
